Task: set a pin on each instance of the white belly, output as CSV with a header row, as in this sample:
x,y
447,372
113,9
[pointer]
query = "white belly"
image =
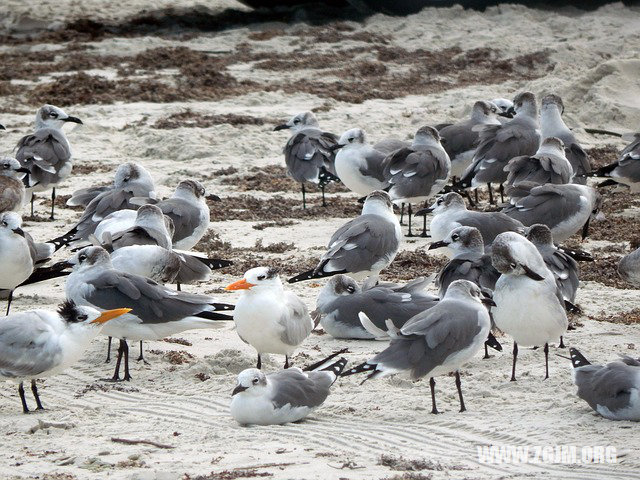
x,y
257,322
260,411
16,262
349,173
189,242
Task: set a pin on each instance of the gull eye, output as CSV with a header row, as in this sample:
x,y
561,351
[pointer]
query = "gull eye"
x,y
5,224
82,318
261,277
350,139
455,237
439,202
254,381
513,265
53,115
126,179
296,121
351,289
82,257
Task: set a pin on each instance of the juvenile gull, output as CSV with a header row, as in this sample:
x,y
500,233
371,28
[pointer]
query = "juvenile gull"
x,y
565,209
500,143
268,317
40,343
626,170
629,266
12,191
362,246
548,165
418,172
46,153
156,311
552,125
308,154
281,397
438,341
528,305
612,390
342,299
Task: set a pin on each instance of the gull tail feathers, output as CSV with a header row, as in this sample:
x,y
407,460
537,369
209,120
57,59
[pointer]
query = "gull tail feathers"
x,y
319,365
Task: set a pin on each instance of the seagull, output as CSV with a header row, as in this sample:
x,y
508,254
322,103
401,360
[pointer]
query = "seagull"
x,y
46,153
506,107
528,305
500,143
156,311
40,343
629,266
418,172
342,299
438,341
12,191
552,125
359,165
363,246
285,396
565,209
460,139
268,317
612,390
131,180
308,152
451,212
548,165
625,170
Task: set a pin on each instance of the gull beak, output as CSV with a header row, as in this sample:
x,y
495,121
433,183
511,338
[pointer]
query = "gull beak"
x,y
424,211
488,302
238,389
335,146
2,127
439,244
72,119
23,170
509,113
240,285
284,126
214,198
585,230
18,231
111,314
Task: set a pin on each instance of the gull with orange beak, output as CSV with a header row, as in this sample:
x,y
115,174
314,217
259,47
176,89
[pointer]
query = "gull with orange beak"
x,y
41,343
269,318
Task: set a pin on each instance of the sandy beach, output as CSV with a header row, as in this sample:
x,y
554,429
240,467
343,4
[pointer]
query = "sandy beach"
x,y
202,103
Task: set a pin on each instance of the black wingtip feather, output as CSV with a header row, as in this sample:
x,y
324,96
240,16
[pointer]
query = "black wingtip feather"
x,y
363,367
577,359
214,316
215,263
337,367
319,363
577,255
311,274
571,308
223,306
493,342
325,177
47,273
64,240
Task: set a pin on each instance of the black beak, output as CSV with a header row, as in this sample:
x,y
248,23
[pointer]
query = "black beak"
x,y
214,198
422,212
238,389
2,127
63,264
23,170
284,126
488,301
509,113
18,231
72,119
531,274
585,230
439,244
335,146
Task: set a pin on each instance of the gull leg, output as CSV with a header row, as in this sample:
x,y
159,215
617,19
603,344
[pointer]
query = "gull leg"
x,y
25,409
424,227
126,377
304,198
459,387
33,197
490,194
502,193
286,361
178,287
409,211
141,357
34,390
486,350
546,360
432,385
468,197
476,194
116,374
259,365
9,301
402,214
324,202
561,342
515,357
108,352
53,203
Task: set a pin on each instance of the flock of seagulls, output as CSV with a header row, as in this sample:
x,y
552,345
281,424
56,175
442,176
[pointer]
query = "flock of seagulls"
x,y
507,270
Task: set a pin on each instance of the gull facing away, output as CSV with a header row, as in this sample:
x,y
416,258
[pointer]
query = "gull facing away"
x,y
548,165
363,246
308,153
528,307
565,209
342,299
500,143
12,191
268,317
552,125
629,266
46,153
418,172
40,343
281,397
131,180
625,170
156,311
438,341
612,390
451,212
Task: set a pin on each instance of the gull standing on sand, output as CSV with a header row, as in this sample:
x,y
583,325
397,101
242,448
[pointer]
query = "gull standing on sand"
x,y
548,165
341,300
46,153
625,170
438,341
12,191
268,317
629,266
565,209
156,311
418,172
500,143
528,305
308,154
40,343
363,246
281,397
552,125
131,180
612,390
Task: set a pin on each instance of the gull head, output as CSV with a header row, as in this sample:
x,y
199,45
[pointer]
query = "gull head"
x,y
342,285
464,289
11,224
299,121
505,107
9,166
355,136
376,202
447,202
552,101
250,382
539,234
81,316
257,279
427,135
130,173
89,258
483,110
513,254
462,240
191,188
525,103
150,215
50,116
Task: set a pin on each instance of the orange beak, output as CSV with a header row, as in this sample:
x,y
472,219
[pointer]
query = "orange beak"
x,y
111,314
240,285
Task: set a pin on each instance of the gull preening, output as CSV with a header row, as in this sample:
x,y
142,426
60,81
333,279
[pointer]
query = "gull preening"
x,y
548,165
626,169
12,191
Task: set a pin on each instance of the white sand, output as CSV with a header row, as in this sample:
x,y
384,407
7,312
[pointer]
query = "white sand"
x,y
597,74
